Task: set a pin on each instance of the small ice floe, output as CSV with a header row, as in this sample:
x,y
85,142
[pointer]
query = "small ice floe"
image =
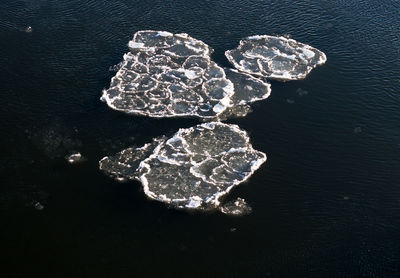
x,y
290,101
278,58
37,205
192,169
74,158
236,207
28,29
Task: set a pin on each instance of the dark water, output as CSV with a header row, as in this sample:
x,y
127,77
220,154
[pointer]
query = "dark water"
x,y
326,203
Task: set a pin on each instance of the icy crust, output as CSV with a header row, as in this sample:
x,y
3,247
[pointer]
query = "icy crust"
x,y
193,168
169,75
275,57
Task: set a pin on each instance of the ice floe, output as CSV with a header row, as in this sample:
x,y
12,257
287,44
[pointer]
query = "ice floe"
x,y
192,169
275,57
172,75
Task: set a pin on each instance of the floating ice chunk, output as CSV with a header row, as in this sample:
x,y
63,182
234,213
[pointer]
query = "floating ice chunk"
x,y
193,168
236,207
275,57
169,75
37,205
29,29
74,158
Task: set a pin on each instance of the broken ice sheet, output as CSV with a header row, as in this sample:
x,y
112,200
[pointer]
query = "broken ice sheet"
x,y
192,169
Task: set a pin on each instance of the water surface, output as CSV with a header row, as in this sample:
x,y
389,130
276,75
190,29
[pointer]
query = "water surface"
x,y
326,203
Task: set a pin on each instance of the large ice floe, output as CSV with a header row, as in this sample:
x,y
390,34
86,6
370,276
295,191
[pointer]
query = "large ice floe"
x,y
172,75
275,57
192,169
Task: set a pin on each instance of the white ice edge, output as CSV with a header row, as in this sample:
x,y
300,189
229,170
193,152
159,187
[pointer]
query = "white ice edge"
x,y
164,34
